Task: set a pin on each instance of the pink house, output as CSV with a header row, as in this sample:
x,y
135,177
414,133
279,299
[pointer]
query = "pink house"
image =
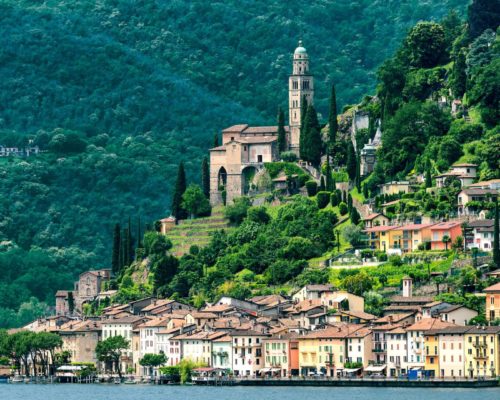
x,y
438,231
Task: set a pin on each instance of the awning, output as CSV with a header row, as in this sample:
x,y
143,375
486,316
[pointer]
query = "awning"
x,y
351,370
70,368
415,368
264,370
375,368
339,299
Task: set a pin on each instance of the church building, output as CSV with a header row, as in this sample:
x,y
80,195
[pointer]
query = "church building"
x,y
245,149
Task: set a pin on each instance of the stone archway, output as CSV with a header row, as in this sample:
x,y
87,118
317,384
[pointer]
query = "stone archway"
x,y
221,179
247,175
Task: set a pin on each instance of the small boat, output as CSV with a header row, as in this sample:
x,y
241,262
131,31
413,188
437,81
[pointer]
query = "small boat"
x,y
17,379
130,381
117,381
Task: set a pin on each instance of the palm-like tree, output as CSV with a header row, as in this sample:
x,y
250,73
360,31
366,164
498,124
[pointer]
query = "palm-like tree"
x,y
446,240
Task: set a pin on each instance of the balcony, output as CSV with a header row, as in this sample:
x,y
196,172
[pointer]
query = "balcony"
x,y
379,350
481,356
480,345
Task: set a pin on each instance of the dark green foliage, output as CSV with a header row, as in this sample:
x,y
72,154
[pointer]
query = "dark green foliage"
x,y
110,350
282,144
282,271
71,302
205,177
335,198
288,156
354,215
450,150
238,211
258,215
349,202
343,209
311,138
486,92
312,188
458,79
329,181
332,119
428,178
482,15
322,185
216,142
180,187
115,261
164,269
351,161
322,198
195,202
426,45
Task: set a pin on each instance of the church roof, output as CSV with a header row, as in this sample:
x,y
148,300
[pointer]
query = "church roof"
x,y
300,49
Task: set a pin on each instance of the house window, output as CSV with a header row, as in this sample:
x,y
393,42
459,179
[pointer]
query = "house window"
x,y
259,158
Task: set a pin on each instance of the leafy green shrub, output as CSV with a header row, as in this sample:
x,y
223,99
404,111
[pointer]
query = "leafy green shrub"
x,y
323,198
288,156
396,261
312,188
258,215
238,211
343,208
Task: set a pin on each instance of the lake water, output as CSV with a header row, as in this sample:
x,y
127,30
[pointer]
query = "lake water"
x,y
139,392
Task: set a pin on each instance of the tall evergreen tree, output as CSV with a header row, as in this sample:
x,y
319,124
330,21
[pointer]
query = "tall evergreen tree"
x,y
358,173
312,137
458,77
329,178
115,258
123,249
205,178
130,243
180,187
351,161
349,202
496,237
282,145
428,178
139,233
216,140
332,120
322,185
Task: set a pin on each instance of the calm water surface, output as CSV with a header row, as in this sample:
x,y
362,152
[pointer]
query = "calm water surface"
x,y
139,392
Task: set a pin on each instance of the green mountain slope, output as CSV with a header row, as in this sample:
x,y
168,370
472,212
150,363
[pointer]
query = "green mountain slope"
x,y
120,91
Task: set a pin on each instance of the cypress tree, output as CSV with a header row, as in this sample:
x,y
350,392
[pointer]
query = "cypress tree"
x,y
123,249
180,187
358,173
303,130
330,186
496,238
282,145
130,243
205,177
312,137
139,233
322,185
458,75
216,140
349,202
351,161
115,259
332,119
428,178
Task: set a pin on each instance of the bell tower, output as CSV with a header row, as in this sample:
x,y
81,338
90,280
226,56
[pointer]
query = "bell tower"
x,y
300,86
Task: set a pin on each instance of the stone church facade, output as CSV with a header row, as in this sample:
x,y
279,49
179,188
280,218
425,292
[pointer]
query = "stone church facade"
x,y
245,149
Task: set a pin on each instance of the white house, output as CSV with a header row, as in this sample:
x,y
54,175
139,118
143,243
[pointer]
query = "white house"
x,y
247,352
222,352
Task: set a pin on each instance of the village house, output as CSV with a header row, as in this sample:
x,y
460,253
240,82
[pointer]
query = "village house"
x,y
482,234
492,302
457,314
247,352
168,344
482,351
123,327
395,187
375,219
470,200
281,355
443,230
80,338
197,345
397,351
359,346
312,292
222,354
464,172
490,184
342,300
451,351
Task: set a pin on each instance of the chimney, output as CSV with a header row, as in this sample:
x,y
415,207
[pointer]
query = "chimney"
x,y
407,287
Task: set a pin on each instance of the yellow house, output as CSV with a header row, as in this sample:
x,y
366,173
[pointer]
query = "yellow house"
x,y
482,351
432,352
415,235
395,238
324,350
492,302
378,237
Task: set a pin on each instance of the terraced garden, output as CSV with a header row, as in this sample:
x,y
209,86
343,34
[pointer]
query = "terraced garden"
x,y
197,231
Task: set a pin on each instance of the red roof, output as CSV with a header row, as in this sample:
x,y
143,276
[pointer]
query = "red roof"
x,y
415,227
493,288
445,225
381,228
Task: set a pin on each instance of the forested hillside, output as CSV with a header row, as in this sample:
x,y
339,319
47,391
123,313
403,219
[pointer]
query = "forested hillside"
x,y
118,92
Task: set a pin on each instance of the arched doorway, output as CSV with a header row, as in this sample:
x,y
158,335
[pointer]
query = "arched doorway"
x,y
221,179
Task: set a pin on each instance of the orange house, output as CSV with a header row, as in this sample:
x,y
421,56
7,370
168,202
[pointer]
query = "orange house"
x,y
414,235
441,230
492,302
